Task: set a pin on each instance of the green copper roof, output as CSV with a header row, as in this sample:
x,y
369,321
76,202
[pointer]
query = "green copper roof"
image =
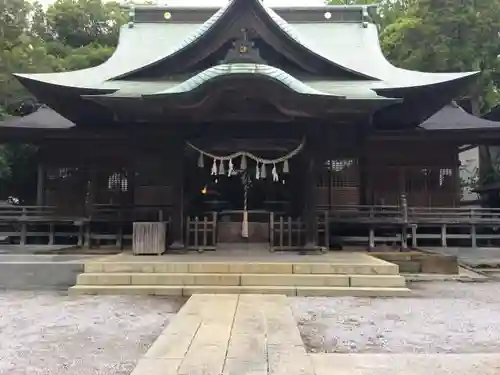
x,y
243,69
357,90
349,44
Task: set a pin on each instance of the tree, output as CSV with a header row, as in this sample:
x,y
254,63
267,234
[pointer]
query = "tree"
x,y
70,35
464,38
78,23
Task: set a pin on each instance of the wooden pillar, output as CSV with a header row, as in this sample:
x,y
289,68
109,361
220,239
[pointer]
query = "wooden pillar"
x,y
310,197
92,195
176,167
40,187
363,131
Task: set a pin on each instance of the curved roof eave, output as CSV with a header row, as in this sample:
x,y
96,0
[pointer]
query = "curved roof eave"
x,y
454,117
273,17
358,50
146,43
256,70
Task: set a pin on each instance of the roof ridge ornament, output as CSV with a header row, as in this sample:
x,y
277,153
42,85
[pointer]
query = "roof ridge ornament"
x,y
365,16
131,16
243,50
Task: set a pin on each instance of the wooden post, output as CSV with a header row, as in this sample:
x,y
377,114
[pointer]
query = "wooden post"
x,y
119,236
473,235
310,200
443,235
177,169
414,236
149,238
24,229
371,238
40,187
80,233
271,231
88,234
404,228
51,233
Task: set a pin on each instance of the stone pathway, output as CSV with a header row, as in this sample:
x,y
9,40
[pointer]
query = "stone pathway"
x,y
258,335
408,364
229,335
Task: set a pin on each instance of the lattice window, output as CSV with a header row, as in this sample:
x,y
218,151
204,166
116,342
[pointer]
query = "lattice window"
x,y
445,177
61,173
340,173
426,179
118,182
416,179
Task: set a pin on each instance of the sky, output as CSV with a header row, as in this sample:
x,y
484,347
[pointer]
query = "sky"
x,y
221,2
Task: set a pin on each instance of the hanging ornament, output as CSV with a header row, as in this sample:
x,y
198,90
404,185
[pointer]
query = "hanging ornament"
x,y
221,168
257,172
214,168
201,162
243,165
263,172
286,167
230,168
275,173
244,225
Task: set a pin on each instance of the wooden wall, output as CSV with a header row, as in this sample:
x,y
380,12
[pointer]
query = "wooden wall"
x,y
126,173
427,172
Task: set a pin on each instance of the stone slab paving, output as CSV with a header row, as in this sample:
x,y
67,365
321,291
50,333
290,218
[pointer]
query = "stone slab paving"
x,y
407,364
474,257
229,335
340,258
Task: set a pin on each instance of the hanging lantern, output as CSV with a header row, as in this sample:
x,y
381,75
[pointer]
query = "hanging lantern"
x,y
201,162
263,172
214,168
243,164
286,167
222,170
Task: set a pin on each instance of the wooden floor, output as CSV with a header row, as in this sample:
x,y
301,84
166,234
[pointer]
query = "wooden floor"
x,y
229,335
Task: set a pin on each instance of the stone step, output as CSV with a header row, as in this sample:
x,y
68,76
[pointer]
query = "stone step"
x,y
218,289
179,279
377,267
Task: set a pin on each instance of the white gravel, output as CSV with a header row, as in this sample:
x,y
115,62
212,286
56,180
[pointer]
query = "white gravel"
x,y
449,317
52,333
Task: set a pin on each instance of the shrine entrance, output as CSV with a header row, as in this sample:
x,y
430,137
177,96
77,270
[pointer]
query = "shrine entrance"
x,y
244,189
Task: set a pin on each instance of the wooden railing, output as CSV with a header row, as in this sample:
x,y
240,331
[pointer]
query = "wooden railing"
x,y
102,223
286,233
372,224
400,224
201,233
398,214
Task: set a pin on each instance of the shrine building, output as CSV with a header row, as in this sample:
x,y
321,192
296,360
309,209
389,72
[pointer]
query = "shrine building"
x,y
244,123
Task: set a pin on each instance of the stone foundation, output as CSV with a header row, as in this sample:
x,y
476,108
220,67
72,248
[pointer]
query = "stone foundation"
x,y
420,262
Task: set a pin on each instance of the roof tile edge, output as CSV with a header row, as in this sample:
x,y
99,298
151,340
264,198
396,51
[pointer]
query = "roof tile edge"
x,y
297,14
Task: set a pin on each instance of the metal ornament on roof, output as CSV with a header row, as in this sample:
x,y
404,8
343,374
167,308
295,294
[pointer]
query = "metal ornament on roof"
x,y
219,162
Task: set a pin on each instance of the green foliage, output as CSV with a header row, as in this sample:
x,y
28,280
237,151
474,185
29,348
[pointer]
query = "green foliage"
x,y
68,35
78,23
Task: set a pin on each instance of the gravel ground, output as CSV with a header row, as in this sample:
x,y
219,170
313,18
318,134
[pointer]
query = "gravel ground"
x,y
52,333
445,317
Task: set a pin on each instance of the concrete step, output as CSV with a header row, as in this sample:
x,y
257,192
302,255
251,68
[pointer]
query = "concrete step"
x,y
179,279
218,289
377,267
